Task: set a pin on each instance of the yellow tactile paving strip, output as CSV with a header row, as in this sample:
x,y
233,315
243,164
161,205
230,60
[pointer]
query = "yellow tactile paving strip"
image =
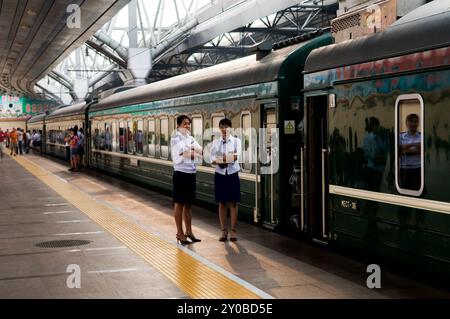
x,y
192,276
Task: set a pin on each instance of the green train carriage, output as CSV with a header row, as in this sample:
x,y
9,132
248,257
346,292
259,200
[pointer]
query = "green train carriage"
x,y
366,188
57,124
130,131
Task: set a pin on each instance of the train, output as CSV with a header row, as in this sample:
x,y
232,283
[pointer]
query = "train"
x,y
355,147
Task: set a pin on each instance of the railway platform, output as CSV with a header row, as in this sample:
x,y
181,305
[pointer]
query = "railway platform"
x,y
89,235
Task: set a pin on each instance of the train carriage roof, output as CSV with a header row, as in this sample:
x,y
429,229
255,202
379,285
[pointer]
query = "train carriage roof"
x,y
427,27
36,118
236,73
73,109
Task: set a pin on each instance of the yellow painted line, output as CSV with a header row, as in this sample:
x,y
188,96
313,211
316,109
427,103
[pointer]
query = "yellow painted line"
x,y
192,276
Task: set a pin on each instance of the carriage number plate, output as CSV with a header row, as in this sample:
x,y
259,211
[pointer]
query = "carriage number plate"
x,y
349,205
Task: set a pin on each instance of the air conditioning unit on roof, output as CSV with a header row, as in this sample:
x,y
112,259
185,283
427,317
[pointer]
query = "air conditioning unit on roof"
x,y
357,18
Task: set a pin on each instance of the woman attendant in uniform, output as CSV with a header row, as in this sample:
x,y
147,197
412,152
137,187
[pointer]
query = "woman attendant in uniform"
x,y
225,152
184,149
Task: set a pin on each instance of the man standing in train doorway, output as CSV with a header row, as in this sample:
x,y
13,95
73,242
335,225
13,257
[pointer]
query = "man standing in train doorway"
x,y
410,148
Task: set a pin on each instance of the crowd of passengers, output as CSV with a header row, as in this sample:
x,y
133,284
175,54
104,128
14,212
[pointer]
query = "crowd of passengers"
x,y
20,141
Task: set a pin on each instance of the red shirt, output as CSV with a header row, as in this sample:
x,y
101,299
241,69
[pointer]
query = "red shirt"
x,y
73,141
2,137
13,136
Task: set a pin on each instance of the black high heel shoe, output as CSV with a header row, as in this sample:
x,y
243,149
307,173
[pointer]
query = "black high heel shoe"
x,y
182,241
193,238
224,235
233,238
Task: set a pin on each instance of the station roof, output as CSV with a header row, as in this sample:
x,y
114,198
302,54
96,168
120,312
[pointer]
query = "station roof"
x,y
35,36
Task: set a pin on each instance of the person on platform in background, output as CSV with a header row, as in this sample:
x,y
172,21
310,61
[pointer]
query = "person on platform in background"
x,y
33,140
37,141
80,147
7,137
13,138
28,141
20,141
2,142
73,150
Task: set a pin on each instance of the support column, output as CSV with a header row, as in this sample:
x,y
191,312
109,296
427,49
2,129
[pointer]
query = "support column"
x,y
139,59
81,89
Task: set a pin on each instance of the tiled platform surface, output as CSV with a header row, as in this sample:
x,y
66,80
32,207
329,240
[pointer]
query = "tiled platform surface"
x,y
280,266
31,213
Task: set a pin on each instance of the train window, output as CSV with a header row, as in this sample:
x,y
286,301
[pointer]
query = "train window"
x,y
164,138
409,146
96,137
140,137
113,136
130,139
270,124
197,129
121,137
215,119
108,137
151,138
246,124
100,139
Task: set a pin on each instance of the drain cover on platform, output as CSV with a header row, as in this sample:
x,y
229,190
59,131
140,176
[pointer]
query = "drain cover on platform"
x,y
62,243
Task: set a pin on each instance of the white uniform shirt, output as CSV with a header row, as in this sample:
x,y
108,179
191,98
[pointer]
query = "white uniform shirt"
x,y
410,161
230,147
179,144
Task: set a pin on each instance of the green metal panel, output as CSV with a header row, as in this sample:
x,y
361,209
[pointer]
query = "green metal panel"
x,y
392,231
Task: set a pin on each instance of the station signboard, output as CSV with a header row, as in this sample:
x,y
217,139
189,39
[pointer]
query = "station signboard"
x,y
17,107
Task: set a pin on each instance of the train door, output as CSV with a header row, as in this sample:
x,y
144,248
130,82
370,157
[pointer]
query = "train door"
x,y
317,167
268,157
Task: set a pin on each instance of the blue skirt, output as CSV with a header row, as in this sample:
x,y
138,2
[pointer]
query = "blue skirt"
x,y
227,188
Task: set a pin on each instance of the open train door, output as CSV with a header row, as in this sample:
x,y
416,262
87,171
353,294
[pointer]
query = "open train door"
x,y
316,167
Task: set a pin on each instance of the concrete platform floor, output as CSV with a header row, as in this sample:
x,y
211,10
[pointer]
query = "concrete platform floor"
x,y
30,213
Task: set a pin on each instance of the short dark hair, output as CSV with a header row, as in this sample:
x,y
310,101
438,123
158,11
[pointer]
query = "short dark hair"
x,y
226,122
181,118
373,121
412,116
